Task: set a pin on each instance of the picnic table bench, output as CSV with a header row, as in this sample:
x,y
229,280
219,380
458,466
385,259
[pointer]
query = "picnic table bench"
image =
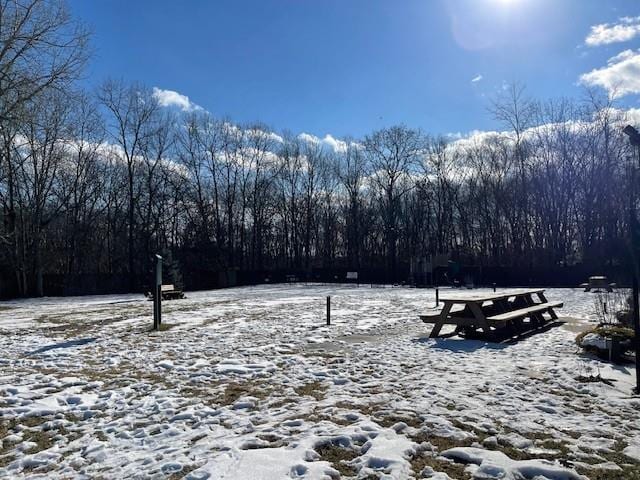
x,y
598,283
515,310
169,292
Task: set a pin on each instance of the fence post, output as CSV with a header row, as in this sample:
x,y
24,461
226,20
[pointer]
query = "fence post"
x,y
437,296
328,310
157,303
494,287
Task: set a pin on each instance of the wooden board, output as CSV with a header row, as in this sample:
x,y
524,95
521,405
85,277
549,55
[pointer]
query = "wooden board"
x,y
489,297
523,312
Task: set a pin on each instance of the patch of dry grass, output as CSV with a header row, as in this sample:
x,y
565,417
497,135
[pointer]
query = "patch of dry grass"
x,y
388,420
31,432
441,443
281,402
312,389
234,391
186,470
339,457
453,469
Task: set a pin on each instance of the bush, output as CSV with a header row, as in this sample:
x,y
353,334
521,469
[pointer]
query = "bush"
x,y
598,340
613,306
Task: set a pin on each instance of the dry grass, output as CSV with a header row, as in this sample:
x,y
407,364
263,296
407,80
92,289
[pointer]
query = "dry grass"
x,y
388,420
454,470
233,391
186,469
281,402
441,443
313,389
31,432
630,469
339,457
628,472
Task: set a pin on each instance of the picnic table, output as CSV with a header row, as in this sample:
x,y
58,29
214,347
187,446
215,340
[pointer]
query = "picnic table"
x,y
515,310
598,283
169,292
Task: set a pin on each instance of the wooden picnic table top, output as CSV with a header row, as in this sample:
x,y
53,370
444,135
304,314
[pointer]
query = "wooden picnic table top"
x,y
488,297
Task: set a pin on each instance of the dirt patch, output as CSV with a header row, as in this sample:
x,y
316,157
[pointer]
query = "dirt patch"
x,y
163,327
594,379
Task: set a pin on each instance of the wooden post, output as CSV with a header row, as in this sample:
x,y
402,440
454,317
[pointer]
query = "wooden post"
x,y
635,288
328,310
157,301
636,328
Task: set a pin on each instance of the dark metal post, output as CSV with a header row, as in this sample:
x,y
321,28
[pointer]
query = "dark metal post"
x,y
157,319
634,140
494,287
633,226
155,307
437,296
328,310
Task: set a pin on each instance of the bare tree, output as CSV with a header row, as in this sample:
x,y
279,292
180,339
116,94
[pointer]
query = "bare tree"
x,y
393,154
41,47
351,170
132,109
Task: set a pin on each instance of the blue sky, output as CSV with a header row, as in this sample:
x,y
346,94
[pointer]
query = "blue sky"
x,y
347,67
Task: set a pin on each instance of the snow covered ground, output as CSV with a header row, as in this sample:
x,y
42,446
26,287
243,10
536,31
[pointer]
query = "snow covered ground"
x,y
249,383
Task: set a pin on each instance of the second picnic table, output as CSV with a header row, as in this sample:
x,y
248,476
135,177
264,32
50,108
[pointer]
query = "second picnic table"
x,y
493,311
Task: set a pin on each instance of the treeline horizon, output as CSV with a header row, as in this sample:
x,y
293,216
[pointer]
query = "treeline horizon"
x,y
94,183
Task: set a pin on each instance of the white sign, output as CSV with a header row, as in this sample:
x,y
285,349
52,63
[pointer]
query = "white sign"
x,y
352,275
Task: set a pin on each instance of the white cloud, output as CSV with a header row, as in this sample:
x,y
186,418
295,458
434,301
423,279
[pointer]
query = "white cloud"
x,y
307,137
460,142
620,77
633,116
477,78
260,133
329,141
171,98
626,29
334,143
275,137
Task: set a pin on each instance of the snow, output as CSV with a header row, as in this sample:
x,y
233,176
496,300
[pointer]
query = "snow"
x,y
493,464
594,340
251,383
632,451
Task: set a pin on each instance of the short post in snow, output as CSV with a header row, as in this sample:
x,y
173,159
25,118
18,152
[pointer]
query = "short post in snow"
x,y
157,300
437,296
328,310
494,287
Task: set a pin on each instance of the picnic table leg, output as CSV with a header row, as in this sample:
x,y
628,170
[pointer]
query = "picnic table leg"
x,y
440,323
543,299
501,305
537,318
480,318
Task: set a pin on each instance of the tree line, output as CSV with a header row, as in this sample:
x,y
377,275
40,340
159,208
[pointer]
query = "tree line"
x,y
93,183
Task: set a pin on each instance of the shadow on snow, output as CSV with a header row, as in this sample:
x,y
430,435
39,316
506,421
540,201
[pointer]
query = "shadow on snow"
x,y
68,344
